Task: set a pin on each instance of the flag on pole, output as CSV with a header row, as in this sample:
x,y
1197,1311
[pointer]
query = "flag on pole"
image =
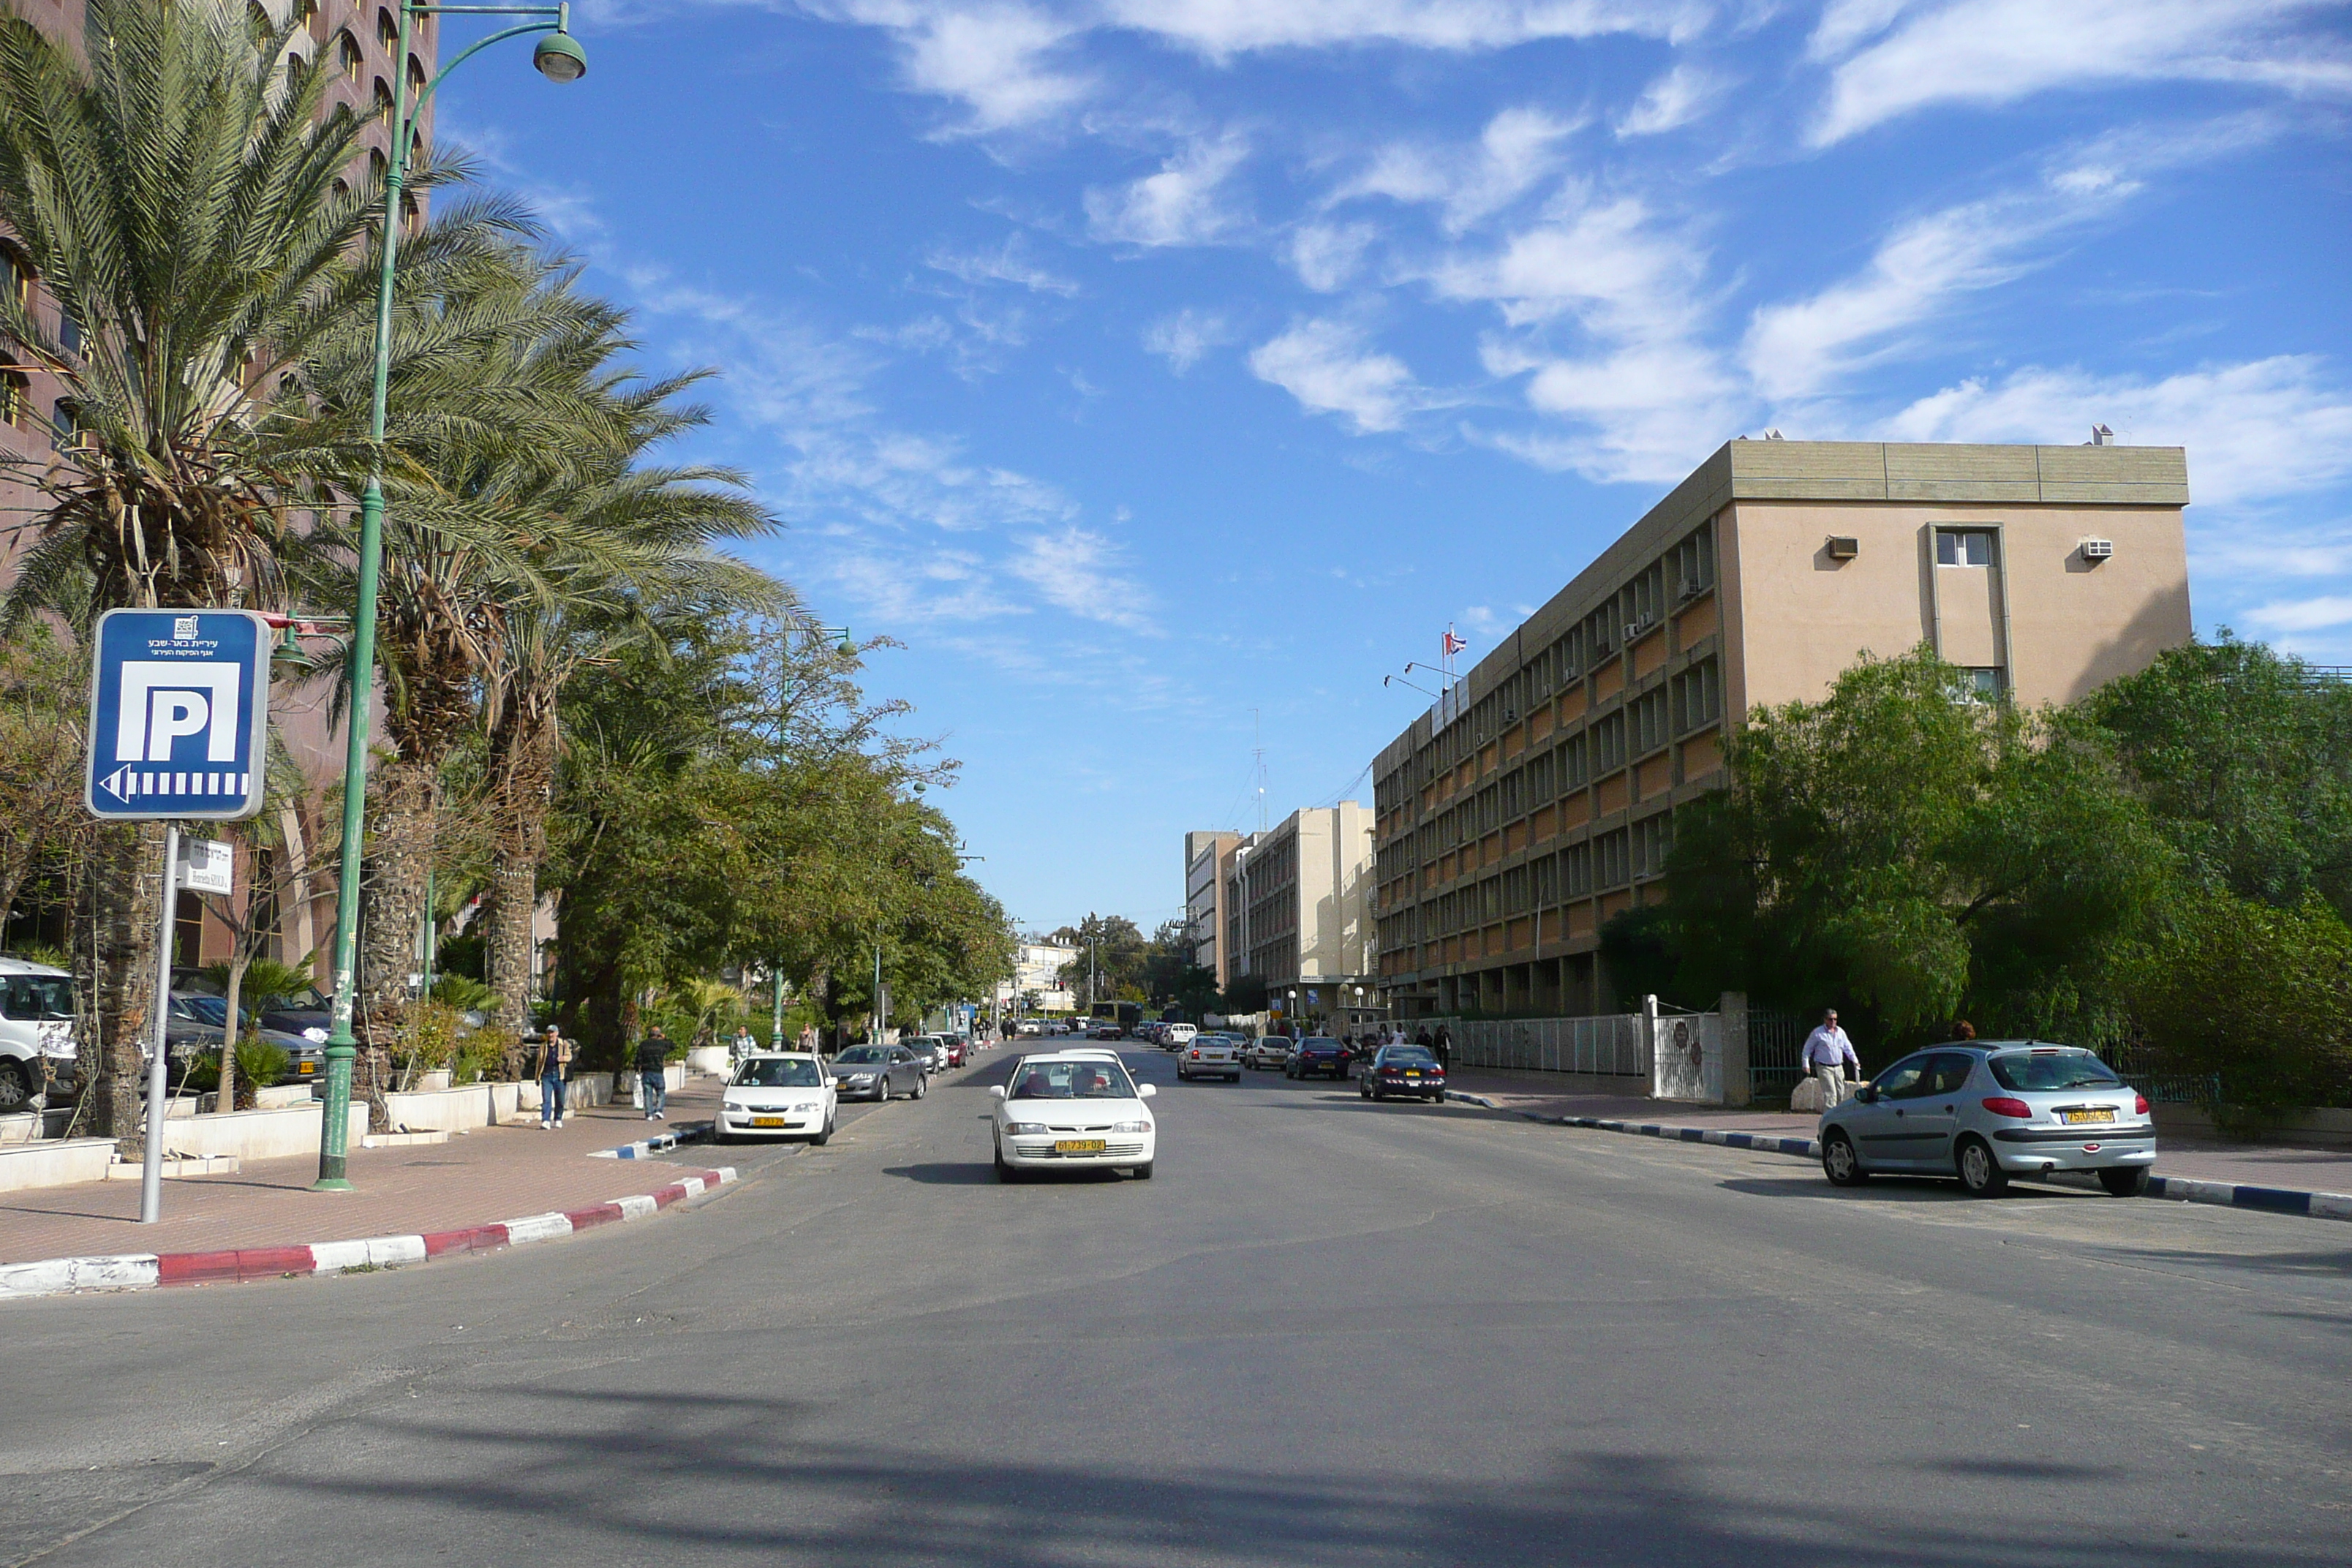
x,y
1454,645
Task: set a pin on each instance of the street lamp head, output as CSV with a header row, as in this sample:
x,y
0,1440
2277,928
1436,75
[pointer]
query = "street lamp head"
x,y
559,58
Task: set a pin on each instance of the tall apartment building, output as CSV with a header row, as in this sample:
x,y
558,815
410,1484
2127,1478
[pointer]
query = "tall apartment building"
x,y
1297,912
1037,972
1208,856
1537,799
358,43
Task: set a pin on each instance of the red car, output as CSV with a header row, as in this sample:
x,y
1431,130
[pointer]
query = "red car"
x,y
958,1050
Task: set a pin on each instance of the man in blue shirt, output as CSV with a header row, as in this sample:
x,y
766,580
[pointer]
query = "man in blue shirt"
x,y
1828,1053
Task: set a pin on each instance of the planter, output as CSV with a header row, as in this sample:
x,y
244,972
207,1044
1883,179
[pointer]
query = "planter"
x,y
428,1081
56,1163
274,1134
706,1059
589,1089
459,1109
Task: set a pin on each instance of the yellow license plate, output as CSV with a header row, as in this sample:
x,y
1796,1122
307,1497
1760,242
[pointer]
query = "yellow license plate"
x,y
1078,1146
308,1067
2077,1118
1413,1075
767,1121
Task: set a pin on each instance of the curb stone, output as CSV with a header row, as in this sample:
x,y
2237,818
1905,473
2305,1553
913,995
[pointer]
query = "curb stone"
x,y
147,1270
2176,1189
659,1144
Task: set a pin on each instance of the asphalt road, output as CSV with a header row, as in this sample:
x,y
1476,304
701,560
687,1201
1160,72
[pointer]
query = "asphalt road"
x,y
1327,1333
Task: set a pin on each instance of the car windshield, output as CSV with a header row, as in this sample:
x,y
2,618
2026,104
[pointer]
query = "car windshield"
x,y
861,1056
214,1010
27,997
1407,1057
2027,1072
1072,1080
778,1072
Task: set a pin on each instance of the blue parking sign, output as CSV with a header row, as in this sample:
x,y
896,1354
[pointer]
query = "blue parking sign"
x,y
179,712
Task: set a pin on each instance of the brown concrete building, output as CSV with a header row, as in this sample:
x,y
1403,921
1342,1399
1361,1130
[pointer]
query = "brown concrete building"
x,y
358,42
1537,799
1297,911
1208,859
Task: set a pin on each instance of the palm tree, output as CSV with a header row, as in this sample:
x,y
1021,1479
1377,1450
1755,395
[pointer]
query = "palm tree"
x,y
174,185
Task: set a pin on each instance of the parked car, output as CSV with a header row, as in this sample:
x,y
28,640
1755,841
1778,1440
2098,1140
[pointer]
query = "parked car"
x,y
36,1011
1268,1051
1401,1069
197,1018
1208,1055
1988,1110
877,1072
958,1050
1316,1056
777,1094
1028,1030
1073,1110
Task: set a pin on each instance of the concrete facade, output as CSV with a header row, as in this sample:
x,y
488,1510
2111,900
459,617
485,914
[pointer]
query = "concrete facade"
x,y
1038,968
1535,800
1297,910
1208,859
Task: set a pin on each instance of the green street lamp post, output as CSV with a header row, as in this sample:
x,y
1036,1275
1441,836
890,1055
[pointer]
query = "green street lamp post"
x,y
560,59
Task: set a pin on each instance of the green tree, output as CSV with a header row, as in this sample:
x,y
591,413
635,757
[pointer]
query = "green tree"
x,y
2261,996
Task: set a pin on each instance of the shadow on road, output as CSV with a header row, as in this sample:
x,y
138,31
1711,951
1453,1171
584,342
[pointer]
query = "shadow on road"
x,y
672,1476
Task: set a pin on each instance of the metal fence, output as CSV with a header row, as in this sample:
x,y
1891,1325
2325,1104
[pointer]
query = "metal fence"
x,y
1612,1044
1776,1050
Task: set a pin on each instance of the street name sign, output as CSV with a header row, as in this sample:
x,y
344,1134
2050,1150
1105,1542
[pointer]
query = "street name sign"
x,y
179,713
207,865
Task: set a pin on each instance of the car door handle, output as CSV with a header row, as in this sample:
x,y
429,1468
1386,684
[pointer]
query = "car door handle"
x,y
1898,1114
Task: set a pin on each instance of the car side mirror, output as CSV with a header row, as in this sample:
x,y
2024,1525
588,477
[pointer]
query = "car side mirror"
x,y
1147,1090
997,1089
1867,1095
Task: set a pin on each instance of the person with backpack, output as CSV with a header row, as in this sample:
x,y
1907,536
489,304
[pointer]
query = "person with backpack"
x,y
554,1066
653,1063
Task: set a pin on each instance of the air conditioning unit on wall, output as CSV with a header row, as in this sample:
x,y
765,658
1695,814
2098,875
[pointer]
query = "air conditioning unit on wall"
x,y
1844,547
2098,549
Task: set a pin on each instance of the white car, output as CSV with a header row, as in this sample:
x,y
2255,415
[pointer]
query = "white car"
x,y
1073,1110
1179,1036
1208,1055
777,1094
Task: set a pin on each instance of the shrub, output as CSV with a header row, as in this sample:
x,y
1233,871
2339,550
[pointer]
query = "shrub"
x,y
259,1063
2261,996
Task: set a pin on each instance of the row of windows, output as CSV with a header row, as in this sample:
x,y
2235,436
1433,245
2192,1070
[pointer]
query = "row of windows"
x,y
1691,700
1601,864
1684,573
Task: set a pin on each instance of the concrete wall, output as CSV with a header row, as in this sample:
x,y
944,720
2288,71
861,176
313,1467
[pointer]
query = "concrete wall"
x,y
57,1163
258,1134
459,1109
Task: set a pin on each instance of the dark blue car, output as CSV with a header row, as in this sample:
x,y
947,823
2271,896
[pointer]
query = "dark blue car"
x,y
1317,1055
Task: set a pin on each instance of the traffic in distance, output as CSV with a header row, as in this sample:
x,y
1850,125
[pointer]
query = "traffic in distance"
x,y
1982,1113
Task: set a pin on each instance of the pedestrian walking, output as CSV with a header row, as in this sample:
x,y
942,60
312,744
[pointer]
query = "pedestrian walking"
x,y
1421,1037
1444,1046
742,1045
1828,1053
809,1041
653,1061
554,1066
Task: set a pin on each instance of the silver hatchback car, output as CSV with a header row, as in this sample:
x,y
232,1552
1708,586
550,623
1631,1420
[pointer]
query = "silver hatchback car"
x,y
1990,1110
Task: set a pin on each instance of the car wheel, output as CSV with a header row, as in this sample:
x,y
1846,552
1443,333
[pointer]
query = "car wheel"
x,y
1143,1172
1363,1091
2124,1181
1005,1175
1979,1172
922,1086
720,1135
15,1087
822,1139
1840,1164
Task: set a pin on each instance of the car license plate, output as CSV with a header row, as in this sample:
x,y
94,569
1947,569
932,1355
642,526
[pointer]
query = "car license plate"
x,y
767,1121
1413,1075
1078,1146
2077,1118
308,1067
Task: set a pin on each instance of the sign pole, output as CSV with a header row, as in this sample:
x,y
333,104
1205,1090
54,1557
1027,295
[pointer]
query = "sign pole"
x,y
150,1177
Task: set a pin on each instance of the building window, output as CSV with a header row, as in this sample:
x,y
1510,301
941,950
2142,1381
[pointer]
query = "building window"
x,y
1695,563
416,80
1571,764
387,31
1698,696
1610,854
1648,719
16,275
1964,547
16,399
69,335
349,57
65,424
1980,684
1609,743
1653,837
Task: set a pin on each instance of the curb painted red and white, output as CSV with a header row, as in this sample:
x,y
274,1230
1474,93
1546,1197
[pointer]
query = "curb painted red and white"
x,y
147,1271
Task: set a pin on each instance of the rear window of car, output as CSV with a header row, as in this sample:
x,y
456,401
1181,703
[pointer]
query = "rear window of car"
x,y
1407,1057
2029,1072
774,1073
859,1055
1319,1042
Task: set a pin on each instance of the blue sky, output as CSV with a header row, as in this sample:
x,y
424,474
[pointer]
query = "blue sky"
x,y
1164,373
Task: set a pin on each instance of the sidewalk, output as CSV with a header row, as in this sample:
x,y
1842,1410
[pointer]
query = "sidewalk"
x,y
2198,1160
478,1178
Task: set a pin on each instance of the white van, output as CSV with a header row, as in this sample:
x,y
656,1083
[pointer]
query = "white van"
x,y
1180,1034
36,1013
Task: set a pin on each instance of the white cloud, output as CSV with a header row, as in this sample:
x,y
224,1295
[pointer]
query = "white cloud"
x,y
1518,149
995,59
1328,367
1674,99
2319,614
1185,336
1223,27
1182,204
1077,570
1008,263
1326,256
1892,58
2255,431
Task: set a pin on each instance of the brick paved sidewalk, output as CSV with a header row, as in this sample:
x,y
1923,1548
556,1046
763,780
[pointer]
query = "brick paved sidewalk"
x,y
476,1178
2202,1160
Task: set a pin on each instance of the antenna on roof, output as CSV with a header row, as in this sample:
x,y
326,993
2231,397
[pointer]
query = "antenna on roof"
x,y
2101,437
